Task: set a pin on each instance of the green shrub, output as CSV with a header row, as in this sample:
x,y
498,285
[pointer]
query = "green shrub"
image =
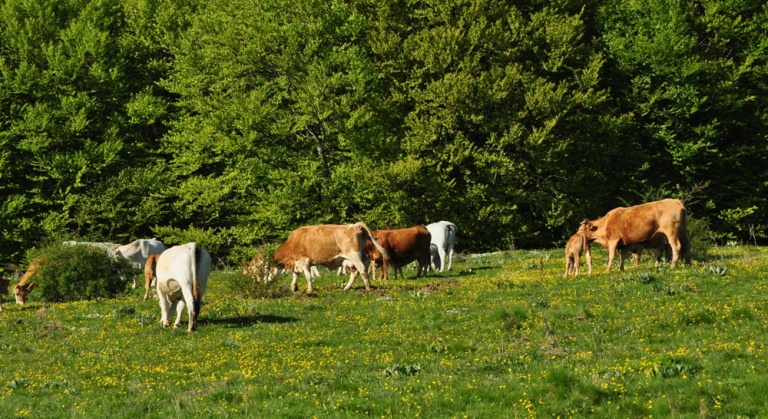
x,y
257,279
74,273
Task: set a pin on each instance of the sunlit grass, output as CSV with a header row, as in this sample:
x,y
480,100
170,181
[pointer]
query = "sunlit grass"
x,y
501,335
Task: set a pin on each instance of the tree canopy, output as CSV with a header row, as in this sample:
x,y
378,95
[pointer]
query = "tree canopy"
x,y
233,122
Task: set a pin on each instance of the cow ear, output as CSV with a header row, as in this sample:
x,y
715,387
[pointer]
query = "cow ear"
x,y
30,287
591,227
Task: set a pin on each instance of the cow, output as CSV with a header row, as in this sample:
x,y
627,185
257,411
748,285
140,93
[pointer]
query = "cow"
x,y
182,276
138,251
443,239
642,225
403,247
328,245
577,245
26,285
150,273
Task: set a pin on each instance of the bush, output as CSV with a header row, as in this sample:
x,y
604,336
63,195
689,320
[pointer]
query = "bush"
x,y
700,237
257,279
74,273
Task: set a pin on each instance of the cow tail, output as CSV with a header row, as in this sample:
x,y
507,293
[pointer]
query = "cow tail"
x,y
195,286
381,249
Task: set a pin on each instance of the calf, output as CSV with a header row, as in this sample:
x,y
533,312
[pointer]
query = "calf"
x,y
182,276
149,274
577,245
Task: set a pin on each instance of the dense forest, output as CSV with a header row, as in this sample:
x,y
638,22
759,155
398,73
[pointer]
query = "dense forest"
x,y
232,122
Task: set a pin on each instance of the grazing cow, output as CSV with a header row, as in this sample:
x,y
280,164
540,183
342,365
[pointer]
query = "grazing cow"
x,y
138,251
443,238
642,225
577,245
403,246
182,275
25,285
328,245
150,274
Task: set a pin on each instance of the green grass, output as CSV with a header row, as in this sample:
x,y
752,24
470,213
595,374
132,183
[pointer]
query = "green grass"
x,y
501,335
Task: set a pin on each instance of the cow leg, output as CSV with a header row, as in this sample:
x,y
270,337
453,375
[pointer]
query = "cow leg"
x,y
189,301
441,255
611,255
165,307
180,304
423,265
636,256
576,262
567,265
361,268
294,283
147,286
449,254
308,275
622,256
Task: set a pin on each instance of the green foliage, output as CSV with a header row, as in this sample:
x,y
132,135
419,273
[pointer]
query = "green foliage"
x,y
76,273
234,122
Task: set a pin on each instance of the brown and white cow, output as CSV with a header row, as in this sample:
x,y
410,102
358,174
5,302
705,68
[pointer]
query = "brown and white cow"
x,y
150,273
328,245
403,247
577,245
642,225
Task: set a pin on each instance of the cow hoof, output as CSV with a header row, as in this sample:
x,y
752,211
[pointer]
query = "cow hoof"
x,y
176,326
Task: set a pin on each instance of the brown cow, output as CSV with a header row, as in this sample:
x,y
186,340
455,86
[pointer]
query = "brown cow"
x,y
403,246
577,245
642,225
25,286
150,268
328,245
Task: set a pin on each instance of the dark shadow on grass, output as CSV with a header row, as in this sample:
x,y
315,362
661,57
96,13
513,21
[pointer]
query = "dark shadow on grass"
x,y
250,320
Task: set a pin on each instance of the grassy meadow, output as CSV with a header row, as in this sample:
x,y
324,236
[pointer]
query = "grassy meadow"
x,y
501,335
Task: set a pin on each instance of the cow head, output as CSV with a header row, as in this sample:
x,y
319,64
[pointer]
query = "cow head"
x,y
21,291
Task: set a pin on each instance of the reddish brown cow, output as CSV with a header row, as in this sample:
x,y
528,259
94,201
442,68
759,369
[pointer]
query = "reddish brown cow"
x,y
327,245
403,246
642,225
25,286
577,245
150,268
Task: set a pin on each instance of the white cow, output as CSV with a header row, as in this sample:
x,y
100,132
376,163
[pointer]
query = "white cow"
x,y
138,251
443,239
182,275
